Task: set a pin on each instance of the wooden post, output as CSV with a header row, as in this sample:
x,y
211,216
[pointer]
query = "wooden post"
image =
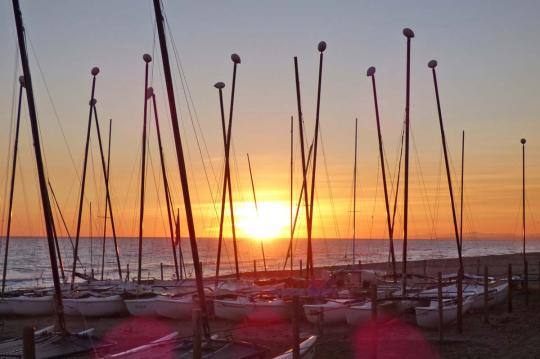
x,y
29,345
255,266
460,301
196,324
300,267
509,287
296,329
478,267
127,273
374,302
526,283
320,321
486,295
359,264
161,269
440,302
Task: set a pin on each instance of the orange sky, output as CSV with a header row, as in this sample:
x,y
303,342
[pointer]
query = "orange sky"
x,y
487,76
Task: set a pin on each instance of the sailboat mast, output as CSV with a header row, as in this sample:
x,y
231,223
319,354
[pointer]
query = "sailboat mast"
x,y
462,189
47,212
181,165
321,47
220,86
523,141
12,181
105,172
106,202
94,72
432,65
371,73
354,191
147,58
165,180
236,60
303,154
409,34
256,207
291,192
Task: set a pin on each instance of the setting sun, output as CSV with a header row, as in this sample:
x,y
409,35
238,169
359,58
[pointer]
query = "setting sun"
x,y
271,220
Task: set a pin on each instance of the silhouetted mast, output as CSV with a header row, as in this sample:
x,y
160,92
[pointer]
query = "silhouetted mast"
x,y
12,181
165,180
94,72
354,191
181,166
47,212
303,153
432,65
371,73
147,59
462,189
256,207
311,270
523,141
409,34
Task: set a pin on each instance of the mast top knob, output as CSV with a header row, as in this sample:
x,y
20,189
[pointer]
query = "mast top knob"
x,y
219,85
370,71
432,64
235,58
523,141
93,102
21,81
322,46
147,58
95,71
408,33
149,92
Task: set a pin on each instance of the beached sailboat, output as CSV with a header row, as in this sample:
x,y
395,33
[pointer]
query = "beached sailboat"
x,y
172,346
174,307
257,308
428,316
56,342
330,311
306,349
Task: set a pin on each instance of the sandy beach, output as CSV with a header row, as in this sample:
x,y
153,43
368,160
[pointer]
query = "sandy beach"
x,y
505,335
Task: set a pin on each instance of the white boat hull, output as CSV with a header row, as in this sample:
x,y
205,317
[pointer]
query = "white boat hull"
x,y
141,307
307,349
173,308
5,307
358,314
31,306
428,317
232,310
97,306
332,312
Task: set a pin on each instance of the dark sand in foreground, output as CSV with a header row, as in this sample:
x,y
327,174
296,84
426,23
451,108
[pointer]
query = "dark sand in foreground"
x,y
506,335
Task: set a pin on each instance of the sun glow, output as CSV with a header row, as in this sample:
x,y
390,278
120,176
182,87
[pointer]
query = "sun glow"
x,y
270,221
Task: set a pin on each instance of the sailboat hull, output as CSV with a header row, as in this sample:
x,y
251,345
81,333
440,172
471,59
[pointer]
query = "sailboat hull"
x,y
180,308
97,306
31,306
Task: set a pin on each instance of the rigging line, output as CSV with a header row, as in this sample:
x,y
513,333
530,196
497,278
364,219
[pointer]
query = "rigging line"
x,y
394,176
187,94
332,202
421,181
11,124
375,199
184,84
51,102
